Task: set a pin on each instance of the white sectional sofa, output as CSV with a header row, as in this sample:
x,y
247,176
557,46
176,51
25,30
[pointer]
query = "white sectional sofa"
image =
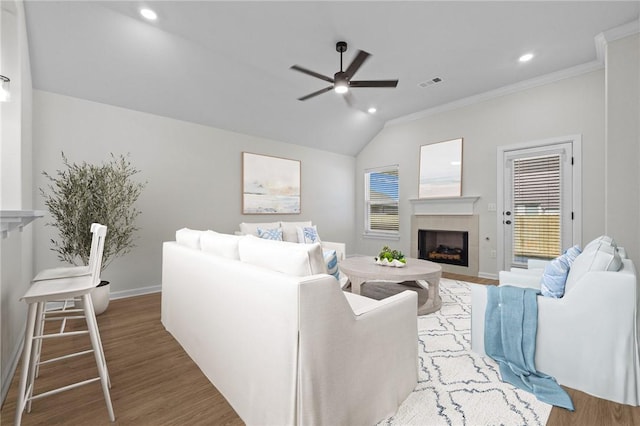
x,y
279,338
587,339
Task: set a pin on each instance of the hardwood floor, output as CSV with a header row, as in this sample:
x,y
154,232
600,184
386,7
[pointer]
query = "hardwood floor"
x,y
156,383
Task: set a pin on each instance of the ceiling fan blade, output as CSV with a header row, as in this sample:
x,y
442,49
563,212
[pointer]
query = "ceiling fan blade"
x,y
311,73
373,83
356,64
319,92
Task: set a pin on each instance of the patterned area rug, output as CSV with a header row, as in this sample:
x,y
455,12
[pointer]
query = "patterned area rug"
x,y
455,385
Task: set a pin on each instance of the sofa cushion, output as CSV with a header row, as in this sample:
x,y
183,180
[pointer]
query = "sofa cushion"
x,y
189,237
308,235
274,234
289,230
289,258
223,245
252,228
596,257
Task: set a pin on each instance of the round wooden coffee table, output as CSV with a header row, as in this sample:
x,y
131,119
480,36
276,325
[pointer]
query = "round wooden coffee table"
x,y
426,275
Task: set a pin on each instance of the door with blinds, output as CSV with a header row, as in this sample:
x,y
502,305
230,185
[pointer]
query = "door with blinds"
x,y
538,211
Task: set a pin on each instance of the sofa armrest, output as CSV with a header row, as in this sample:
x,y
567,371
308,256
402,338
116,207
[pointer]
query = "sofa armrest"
x,y
478,308
519,279
340,248
536,264
341,353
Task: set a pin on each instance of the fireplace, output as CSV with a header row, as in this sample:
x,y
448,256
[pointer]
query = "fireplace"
x,y
443,246
467,229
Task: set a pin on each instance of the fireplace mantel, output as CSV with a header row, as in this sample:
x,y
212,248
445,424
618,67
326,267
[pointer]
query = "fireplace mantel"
x,y
444,205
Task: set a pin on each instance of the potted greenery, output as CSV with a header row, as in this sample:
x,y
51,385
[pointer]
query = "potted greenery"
x,y
81,194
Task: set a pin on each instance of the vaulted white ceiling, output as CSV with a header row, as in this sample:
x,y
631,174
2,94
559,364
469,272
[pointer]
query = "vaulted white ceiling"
x,y
226,64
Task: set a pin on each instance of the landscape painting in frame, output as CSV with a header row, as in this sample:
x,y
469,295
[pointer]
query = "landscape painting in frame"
x,y
270,185
441,169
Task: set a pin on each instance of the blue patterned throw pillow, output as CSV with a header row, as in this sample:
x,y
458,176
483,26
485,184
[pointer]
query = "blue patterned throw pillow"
x,y
554,277
571,253
308,235
331,259
270,234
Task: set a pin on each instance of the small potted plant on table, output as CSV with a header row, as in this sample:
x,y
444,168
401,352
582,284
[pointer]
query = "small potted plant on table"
x,y
388,257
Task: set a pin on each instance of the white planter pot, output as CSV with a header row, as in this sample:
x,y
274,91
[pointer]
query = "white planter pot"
x,y
100,298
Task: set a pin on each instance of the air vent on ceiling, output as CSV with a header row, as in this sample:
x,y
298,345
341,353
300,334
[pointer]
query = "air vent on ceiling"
x,y
430,82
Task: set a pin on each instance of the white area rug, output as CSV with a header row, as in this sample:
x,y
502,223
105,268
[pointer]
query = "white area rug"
x,y
455,385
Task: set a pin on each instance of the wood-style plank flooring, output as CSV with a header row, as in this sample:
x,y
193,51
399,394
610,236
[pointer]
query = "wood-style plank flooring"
x,y
156,383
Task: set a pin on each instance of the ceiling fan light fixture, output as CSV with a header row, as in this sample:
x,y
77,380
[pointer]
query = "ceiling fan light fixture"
x,y
341,87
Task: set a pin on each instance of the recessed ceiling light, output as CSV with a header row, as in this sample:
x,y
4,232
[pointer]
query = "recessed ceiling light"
x,y
149,14
526,57
372,110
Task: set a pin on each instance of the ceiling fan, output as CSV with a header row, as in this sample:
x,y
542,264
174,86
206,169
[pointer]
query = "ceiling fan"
x,y
341,81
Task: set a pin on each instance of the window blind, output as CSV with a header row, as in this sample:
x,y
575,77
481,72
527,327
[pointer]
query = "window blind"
x,y
537,207
381,193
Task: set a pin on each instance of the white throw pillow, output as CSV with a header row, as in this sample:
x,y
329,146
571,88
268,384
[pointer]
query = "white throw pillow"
x,y
603,239
293,259
602,257
223,245
189,237
252,228
308,235
290,230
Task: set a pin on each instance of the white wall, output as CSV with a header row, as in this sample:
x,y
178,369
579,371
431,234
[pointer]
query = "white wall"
x,y
16,251
570,106
623,144
193,174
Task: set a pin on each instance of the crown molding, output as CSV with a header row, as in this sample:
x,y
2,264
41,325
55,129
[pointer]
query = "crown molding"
x,y
600,41
605,37
502,91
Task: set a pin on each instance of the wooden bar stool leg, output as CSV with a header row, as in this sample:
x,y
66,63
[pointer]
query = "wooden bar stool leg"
x,y
26,362
92,325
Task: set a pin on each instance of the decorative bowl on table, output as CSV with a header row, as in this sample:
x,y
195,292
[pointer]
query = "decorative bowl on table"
x,y
388,257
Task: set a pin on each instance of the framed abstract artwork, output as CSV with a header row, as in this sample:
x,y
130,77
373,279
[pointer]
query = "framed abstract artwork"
x,y
270,185
441,169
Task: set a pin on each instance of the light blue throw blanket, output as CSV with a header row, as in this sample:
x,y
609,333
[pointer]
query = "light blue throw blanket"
x,y
511,322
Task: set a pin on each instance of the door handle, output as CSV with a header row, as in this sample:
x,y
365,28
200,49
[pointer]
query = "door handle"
x,y
508,222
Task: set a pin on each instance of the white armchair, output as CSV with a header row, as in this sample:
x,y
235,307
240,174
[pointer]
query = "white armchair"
x,y
588,339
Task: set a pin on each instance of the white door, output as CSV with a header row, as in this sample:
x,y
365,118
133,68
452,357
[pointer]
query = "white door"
x,y
539,209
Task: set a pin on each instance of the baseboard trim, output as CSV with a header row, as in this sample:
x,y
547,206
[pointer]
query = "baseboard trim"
x,y
11,371
487,275
135,292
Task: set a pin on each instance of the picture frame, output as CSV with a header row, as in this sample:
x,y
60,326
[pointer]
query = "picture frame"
x,y
270,185
441,169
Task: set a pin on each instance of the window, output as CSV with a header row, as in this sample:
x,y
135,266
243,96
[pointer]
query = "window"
x,y
381,201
